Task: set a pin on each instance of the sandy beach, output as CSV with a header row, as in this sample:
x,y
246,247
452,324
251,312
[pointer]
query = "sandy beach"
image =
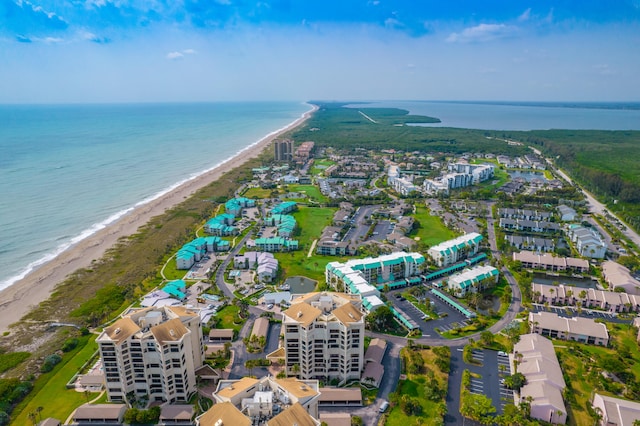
x,y
18,299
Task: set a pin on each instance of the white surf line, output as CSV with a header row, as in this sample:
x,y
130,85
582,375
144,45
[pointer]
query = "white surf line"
x,y
368,118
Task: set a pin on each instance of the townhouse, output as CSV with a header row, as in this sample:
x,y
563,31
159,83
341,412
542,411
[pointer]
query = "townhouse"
x,y
548,262
588,242
583,330
611,301
535,358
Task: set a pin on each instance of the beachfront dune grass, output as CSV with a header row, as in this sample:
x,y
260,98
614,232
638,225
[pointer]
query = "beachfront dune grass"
x,y
51,392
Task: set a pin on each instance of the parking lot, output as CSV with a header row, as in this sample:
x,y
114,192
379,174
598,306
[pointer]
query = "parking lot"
x,y
573,311
449,317
495,367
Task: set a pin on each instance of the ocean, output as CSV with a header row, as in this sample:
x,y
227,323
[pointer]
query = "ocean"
x,y
522,115
67,171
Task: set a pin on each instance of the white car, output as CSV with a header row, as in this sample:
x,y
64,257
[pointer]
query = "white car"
x,y
502,353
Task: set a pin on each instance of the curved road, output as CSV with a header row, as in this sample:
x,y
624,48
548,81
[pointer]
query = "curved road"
x,y
391,361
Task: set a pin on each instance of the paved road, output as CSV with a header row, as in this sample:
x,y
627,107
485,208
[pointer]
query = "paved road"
x,y
599,208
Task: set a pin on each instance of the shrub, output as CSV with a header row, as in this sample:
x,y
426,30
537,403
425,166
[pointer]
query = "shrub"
x,y
50,362
69,345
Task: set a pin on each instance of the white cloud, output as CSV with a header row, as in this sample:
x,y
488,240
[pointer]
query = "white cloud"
x,y
189,51
525,15
174,55
482,32
52,40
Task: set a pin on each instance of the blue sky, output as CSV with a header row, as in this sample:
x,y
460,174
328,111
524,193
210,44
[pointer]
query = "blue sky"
x,y
215,50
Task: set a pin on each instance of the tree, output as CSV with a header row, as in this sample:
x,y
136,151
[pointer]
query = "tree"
x,y
487,338
379,320
475,406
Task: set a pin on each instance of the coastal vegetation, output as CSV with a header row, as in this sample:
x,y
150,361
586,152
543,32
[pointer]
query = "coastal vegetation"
x,y
420,397
349,128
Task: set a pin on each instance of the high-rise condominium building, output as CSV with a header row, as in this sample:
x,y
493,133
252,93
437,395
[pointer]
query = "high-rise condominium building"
x,y
324,336
152,353
283,150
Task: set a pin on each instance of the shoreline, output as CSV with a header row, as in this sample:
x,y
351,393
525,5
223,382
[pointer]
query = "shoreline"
x,y
23,295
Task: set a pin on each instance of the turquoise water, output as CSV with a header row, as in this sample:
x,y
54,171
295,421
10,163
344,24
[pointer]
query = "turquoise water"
x,y
523,115
67,171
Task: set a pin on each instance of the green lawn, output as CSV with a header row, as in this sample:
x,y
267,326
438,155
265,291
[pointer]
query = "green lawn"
x,y
50,390
227,316
171,272
430,229
319,166
311,221
312,191
258,193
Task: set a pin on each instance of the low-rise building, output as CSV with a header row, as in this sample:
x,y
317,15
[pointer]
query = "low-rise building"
x,y
537,361
611,301
615,411
449,252
583,330
524,214
525,242
618,276
548,262
265,264
566,213
588,241
525,225
473,280
275,244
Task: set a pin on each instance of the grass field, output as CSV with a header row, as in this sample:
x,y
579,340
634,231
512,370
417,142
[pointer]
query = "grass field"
x,y
50,390
414,386
431,230
311,221
312,191
258,193
226,316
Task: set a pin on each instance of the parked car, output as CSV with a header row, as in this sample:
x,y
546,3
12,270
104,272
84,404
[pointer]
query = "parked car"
x,y
384,406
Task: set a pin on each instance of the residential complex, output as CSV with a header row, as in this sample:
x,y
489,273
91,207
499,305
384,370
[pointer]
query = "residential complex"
x,y
524,214
324,336
473,280
611,301
587,241
618,276
460,175
153,353
615,411
195,250
535,358
548,262
449,252
363,276
579,329
265,264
